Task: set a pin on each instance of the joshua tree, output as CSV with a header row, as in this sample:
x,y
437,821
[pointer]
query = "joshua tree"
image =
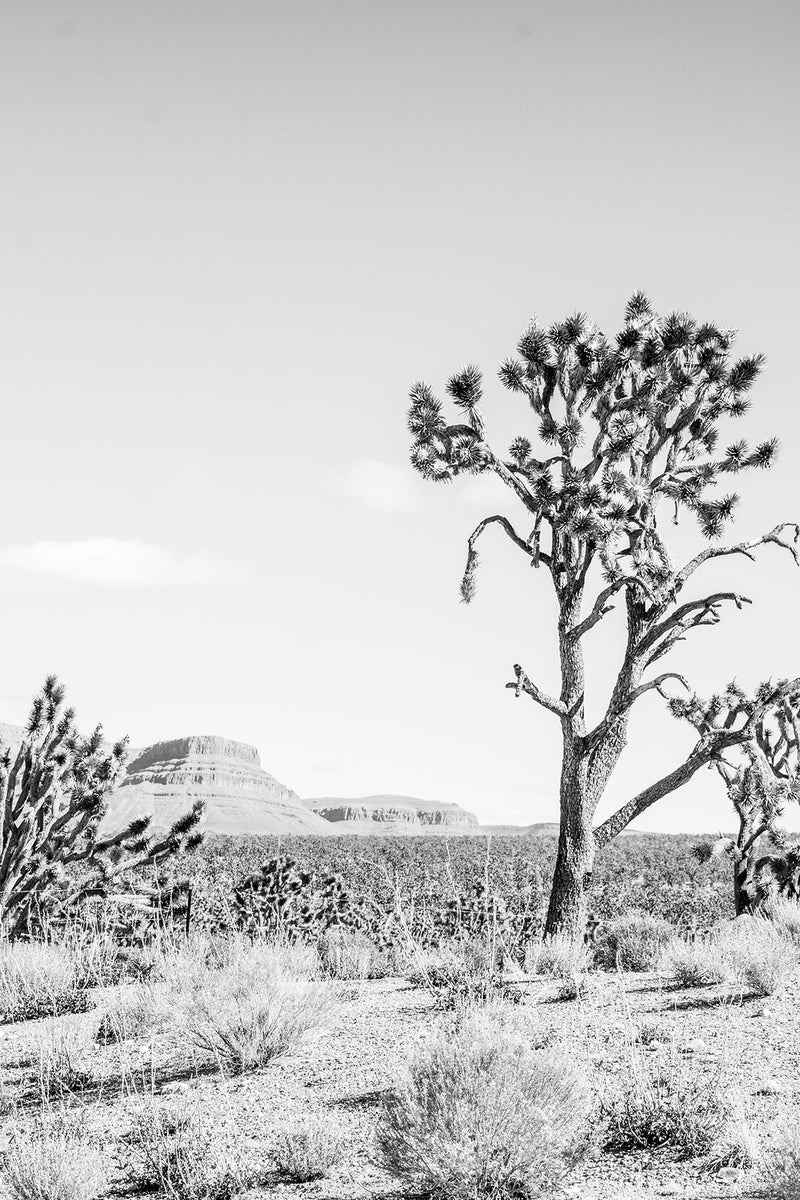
x,y
53,796
630,427
762,776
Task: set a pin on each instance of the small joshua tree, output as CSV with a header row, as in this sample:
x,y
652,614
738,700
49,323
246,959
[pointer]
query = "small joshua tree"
x,y
630,427
762,776
282,899
53,795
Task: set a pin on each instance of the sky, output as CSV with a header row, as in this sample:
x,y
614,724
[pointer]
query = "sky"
x,y
233,234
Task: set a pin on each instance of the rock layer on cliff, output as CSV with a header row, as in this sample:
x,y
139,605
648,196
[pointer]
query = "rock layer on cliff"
x,y
164,780
392,814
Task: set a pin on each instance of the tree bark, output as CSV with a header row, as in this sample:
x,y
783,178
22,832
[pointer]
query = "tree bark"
x,y
742,900
566,913
572,877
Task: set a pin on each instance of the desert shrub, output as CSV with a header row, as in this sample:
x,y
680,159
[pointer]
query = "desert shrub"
x,y
558,956
243,1022
694,964
462,970
49,1162
307,1152
633,942
647,1033
183,1158
38,979
346,954
759,956
484,1115
222,995
665,1105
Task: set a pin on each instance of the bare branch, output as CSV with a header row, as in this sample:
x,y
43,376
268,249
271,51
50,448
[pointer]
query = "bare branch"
x,y
689,615
775,536
602,607
523,684
467,579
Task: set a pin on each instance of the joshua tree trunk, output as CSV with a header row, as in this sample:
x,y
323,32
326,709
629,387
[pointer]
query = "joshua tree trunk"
x,y
572,877
742,900
573,870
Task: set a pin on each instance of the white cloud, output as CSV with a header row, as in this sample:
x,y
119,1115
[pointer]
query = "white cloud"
x,y
112,562
382,486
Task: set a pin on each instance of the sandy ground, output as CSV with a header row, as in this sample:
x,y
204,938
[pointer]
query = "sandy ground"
x,y
378,1025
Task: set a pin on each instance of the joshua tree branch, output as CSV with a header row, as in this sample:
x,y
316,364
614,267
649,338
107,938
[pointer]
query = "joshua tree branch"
x,y
523,684
706,749
601,605
617,710
640,803
531,548
688,616
776,536
506,526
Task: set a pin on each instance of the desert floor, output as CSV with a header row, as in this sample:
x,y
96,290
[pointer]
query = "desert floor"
x,y
340,1073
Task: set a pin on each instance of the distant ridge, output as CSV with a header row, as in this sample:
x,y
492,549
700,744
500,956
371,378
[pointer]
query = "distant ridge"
x,y
390,813
163,781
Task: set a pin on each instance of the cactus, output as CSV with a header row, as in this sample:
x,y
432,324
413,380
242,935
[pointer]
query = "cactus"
x,y
53,796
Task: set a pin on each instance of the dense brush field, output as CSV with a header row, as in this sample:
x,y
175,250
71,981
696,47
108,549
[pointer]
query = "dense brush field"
x,y
306,1058
653,872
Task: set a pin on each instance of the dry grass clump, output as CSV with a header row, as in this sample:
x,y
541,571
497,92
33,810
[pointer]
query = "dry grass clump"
x,y
308,1151
666,1106
785,916
463,970
782,1168
220,995
175,1153
559,956
38,979
137,1011
482,1115
694,964
737,1145
633,942
649,1033
759,955
243,1022
49,1162
350,955
263,956
61,1058
753,952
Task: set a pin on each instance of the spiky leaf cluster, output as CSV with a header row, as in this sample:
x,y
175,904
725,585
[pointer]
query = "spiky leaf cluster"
x,y
628,424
